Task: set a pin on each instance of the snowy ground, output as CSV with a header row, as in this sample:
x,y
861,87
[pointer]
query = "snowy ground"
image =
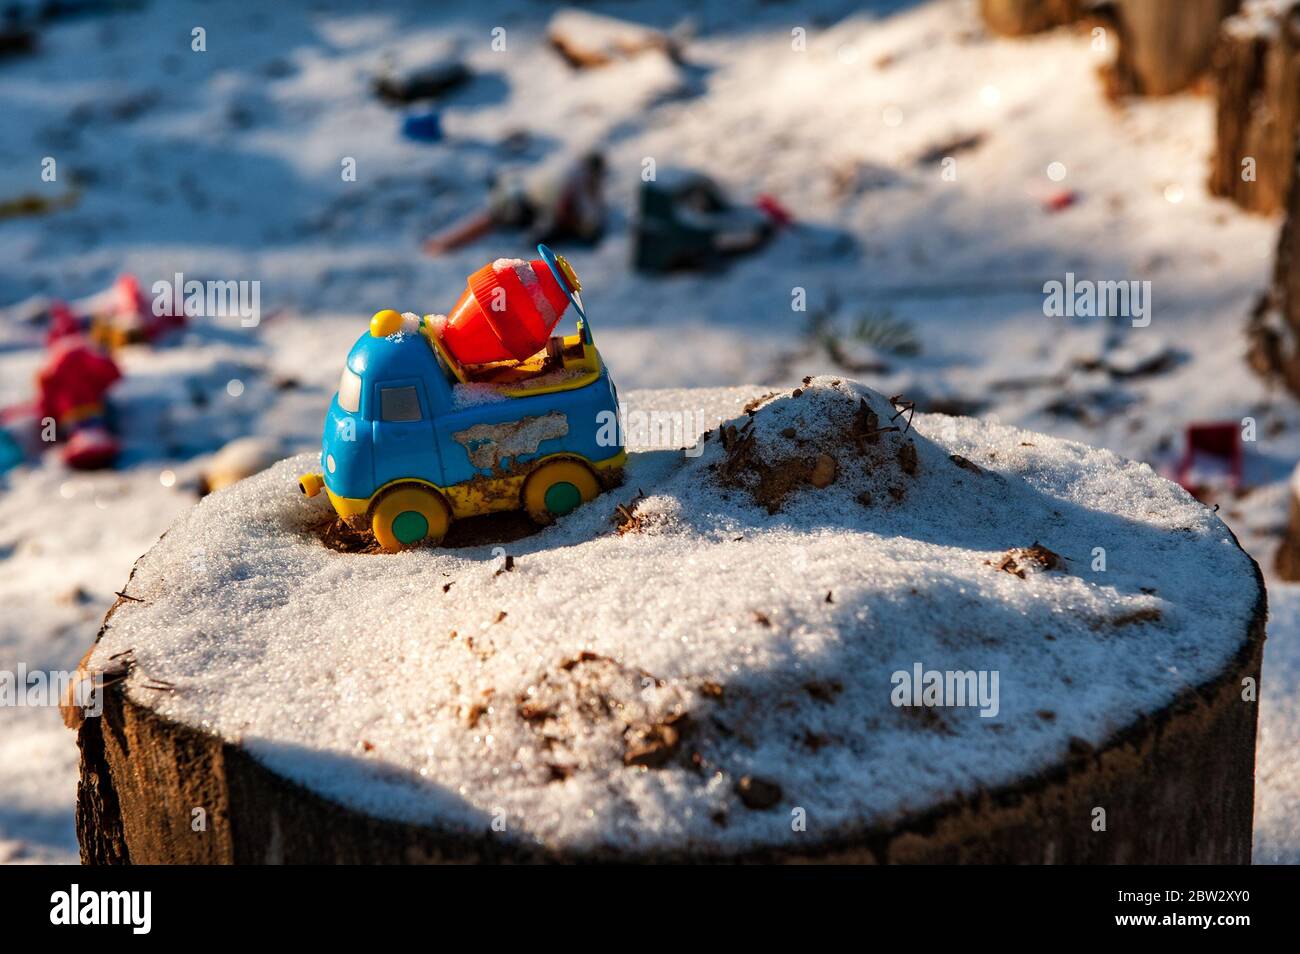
x,y
226,164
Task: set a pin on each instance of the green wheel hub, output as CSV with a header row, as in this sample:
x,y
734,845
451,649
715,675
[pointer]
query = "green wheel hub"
x,y
410,526
562,497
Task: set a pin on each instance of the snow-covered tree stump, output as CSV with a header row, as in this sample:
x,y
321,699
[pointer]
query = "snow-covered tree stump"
x,y
1257,87
830,635
1162,46
1022,17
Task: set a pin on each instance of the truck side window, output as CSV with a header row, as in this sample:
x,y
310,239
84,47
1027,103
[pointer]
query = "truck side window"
x,y
399,404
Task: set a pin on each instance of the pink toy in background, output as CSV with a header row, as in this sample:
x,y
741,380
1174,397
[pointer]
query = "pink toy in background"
x,y
125,315
62,323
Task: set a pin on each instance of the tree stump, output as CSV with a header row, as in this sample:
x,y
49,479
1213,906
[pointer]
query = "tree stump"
x,y
1022,17
1257,88
143,775
1162,46
289,703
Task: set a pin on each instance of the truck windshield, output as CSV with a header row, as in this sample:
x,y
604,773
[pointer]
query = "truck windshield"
x,y
350,392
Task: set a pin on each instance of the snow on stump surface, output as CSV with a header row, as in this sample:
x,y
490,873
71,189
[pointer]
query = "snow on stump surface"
x,y
702,664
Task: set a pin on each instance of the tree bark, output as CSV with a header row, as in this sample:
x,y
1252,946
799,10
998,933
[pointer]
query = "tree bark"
x,y
1286,562
1274,328
1162,46
1257,86
1022,17
1175,787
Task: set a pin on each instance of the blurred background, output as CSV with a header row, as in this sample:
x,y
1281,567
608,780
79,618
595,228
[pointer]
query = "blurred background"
x,y
750,190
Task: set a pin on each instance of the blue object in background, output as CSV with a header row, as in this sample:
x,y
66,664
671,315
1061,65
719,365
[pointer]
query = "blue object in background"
x,y
423,127
11,454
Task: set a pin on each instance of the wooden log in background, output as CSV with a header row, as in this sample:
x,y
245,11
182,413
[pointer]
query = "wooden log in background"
x,y
1162,46
1022,17
1274,328
1286,561
1285,292
1257,87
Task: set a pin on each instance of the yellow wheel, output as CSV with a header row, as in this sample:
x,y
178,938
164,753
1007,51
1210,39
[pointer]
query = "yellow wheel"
x,y
557,488
407,516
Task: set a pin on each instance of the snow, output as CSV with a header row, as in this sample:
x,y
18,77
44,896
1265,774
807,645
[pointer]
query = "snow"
x,y
1259,18
226,165
475,393
354,674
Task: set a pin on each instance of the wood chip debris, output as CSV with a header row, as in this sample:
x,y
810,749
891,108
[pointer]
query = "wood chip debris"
x,y
1018,561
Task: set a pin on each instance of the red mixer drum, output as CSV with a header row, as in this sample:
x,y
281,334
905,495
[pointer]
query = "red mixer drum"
x,y
507,311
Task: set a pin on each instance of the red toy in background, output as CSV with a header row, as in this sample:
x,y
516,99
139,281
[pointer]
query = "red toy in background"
x,y
73,384
771,206
72,388
1060,200
1212,458
62,323
119,315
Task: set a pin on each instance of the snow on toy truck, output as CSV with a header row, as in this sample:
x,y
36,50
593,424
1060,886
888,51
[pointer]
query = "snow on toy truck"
x,y
438,418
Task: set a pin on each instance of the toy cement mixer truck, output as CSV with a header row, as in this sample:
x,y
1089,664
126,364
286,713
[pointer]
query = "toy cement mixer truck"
x,y
440,418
